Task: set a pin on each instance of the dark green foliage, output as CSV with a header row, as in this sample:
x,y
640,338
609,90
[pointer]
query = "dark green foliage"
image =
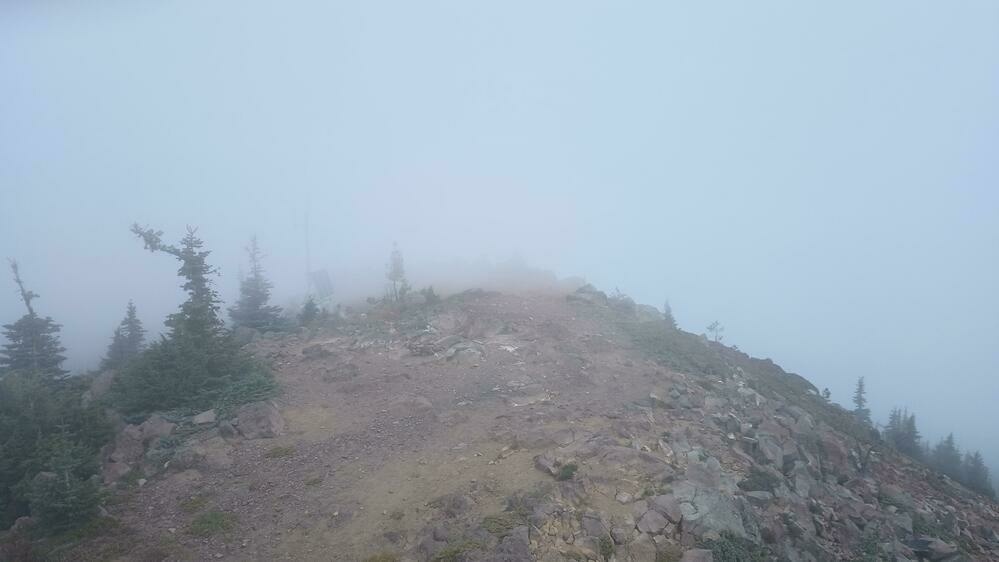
x,y
197,365
309,313
976,474
252,310
567,472
126,342
184,372
198,317
606,547
64,493
32,342
946,457
44,427
48,438
902,434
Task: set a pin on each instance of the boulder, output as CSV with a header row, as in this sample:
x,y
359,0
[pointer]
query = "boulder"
x,y
259,420
212,453
204,418
652,522
155,427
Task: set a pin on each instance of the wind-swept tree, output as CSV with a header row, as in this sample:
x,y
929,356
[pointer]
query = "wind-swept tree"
x,y
396,274
126,341
197,360
33,345
252,310
860,409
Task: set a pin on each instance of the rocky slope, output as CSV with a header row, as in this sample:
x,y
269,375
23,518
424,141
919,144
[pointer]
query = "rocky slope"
x,y
526,427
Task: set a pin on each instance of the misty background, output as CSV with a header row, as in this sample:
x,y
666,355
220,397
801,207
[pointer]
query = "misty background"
x,y
824,185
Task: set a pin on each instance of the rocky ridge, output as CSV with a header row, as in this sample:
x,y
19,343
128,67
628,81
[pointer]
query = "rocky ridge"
x,y
544,427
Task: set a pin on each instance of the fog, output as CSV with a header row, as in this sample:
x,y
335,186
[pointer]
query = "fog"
x,y
820,179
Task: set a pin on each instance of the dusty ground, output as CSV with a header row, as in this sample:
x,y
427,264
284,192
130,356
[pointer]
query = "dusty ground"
x,y
378,433
388,439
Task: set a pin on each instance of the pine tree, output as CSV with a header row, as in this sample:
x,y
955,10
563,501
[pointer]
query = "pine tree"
x,y
252,310
893,431
860,409
976,474
32,342
396,274
126,341
309,313
668,316
198,317
197,361
910,438
946,457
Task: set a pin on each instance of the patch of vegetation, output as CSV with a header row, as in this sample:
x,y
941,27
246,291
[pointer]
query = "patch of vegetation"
x,y
194,504
730,548
567,471
606,547
382,557
280,452
501,524
669,553
869,550
211,523
397,515
314,481
759,480
454,552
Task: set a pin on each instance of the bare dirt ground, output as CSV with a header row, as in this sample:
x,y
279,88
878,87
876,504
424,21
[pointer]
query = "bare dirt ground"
x,y
375,434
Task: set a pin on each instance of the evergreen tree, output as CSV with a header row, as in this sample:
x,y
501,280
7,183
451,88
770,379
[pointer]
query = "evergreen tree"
x,y
252,310
860,409
668,316
396,274
32,342
976,474
946,457
910,438
826,395
198,317
309,313
195,364
126,341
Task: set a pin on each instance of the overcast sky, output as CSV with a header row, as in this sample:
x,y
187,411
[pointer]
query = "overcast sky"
x,y
823,178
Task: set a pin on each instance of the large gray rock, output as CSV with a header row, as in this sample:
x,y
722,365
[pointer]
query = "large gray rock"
x,y
155,427
712,511
652,522
212,453
259,420
204,418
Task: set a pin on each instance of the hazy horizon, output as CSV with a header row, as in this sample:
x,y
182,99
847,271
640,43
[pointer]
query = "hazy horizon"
x,y
823,184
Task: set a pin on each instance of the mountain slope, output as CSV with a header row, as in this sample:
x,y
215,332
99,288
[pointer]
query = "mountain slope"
x,y
532,427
